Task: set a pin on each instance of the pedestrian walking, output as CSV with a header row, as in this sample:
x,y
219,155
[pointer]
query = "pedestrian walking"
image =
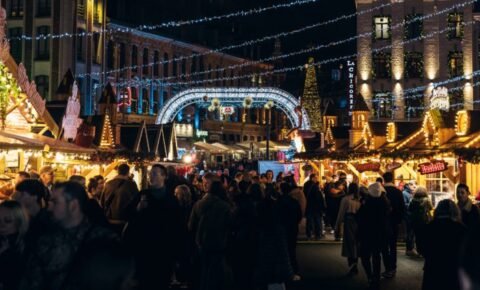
x,y
315,207
372,231
419,214
336,192
470,213
444,232
348,216
395,218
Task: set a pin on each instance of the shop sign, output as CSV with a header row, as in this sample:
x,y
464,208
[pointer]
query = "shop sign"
x,y
184,130
71,121
228,110
432,167
393,166
375,167
30,89
202,133
440,99
11,160
351,85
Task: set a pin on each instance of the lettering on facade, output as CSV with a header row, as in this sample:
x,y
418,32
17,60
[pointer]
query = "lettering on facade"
x,y
71,120
432,167
30,89
375,167
351,85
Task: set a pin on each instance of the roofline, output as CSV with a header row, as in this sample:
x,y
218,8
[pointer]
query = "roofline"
x,y
195,47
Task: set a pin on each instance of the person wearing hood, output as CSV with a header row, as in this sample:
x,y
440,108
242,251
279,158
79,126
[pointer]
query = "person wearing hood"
x,y
372,231
419,215
470,213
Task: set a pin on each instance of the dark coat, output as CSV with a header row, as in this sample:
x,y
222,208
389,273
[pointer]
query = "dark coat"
x,y
12,263
211,221
315,199
442,239
290,213
471,217
372,224
118,195
397,203
273,264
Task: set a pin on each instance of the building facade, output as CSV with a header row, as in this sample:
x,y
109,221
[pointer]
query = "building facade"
x,y
419,53
144,69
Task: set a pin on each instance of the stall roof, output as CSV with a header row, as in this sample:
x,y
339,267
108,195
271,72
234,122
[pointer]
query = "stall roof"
x,y
210,147
230,148
20,139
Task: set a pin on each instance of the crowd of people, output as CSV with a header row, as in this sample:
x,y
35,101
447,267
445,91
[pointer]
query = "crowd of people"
x,y
227,229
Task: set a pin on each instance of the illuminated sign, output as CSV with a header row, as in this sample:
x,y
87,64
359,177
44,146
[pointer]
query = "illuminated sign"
x,y
393,166
201,133
228,110
184,130
351,85
375,167
432,167
440,99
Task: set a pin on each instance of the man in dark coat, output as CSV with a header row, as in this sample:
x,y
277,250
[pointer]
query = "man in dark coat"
x,y
372,231
118,196
56,252
470,213
397,204
315,207
334,198
154,233
211,221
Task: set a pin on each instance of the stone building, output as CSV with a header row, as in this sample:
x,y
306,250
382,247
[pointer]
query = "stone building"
x,y
422,53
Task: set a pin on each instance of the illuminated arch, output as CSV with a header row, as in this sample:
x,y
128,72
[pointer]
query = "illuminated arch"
x,y
234,96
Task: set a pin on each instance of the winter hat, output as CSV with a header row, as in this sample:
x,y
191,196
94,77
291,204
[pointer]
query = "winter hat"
x,y
376,189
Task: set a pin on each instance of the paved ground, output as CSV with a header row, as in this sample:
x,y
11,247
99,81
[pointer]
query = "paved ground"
x,y
322,267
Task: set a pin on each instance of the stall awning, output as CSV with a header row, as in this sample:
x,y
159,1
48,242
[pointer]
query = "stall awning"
x,y
11,139
230,148
210,148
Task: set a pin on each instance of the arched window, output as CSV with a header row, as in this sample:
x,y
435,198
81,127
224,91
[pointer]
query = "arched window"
x,y
165,65
156,60
145,65
110,55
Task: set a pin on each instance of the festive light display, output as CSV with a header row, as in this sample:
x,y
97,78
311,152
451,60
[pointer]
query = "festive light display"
x,y
391,132
281,99
418,18
462,123
148,82
311,101
9,91
203,20
106,139
430,129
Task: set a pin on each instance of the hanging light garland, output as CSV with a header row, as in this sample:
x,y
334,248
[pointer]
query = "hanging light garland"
x,y
419,18
8,89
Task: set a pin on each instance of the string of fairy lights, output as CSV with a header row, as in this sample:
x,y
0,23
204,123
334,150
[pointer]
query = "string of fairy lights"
x,y
202,20
271,37
155,81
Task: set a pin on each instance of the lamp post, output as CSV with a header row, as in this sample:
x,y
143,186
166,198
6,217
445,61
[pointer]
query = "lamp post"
x,y
268,106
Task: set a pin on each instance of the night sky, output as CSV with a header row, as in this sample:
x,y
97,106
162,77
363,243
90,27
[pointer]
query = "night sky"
x,y
232,31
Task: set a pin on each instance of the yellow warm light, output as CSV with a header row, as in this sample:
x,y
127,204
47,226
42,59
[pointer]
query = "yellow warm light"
x,y
391,132
429,124
368,137
462,123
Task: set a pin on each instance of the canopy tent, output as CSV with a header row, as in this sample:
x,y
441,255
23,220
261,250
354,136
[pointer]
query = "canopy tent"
x,y
213,149
230,148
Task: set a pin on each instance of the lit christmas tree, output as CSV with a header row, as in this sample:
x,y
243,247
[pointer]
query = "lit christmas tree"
x,y
106,140
311,100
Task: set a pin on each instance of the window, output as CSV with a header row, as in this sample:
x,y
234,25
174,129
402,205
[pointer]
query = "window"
x,y
42,85
16,45
201,67
382,105
413,29
456,99
455,25
80,45
382,27
413,106
414,65
174,66
16,8
381,65
43,47
81,8
134,59
165,65
218,76
455,63
96,51
110,55
156,60
184,67
43,8
145,68
123,55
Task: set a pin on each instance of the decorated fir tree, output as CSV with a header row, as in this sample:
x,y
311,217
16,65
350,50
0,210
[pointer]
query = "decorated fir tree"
x,y
311,100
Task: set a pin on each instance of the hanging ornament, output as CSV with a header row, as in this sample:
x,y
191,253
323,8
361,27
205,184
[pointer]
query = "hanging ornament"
x,y
247,102
205,98
216,103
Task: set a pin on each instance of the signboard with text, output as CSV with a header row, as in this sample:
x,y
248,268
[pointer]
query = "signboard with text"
x,y
228,110
374,167
432,167
351,85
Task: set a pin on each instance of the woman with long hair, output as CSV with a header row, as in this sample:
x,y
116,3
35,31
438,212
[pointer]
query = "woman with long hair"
x,y
13,227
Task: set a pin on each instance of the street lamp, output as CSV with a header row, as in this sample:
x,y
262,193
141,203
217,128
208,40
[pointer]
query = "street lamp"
x,y
268,106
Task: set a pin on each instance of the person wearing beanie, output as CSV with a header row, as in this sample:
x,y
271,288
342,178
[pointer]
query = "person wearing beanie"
x,y
372,231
